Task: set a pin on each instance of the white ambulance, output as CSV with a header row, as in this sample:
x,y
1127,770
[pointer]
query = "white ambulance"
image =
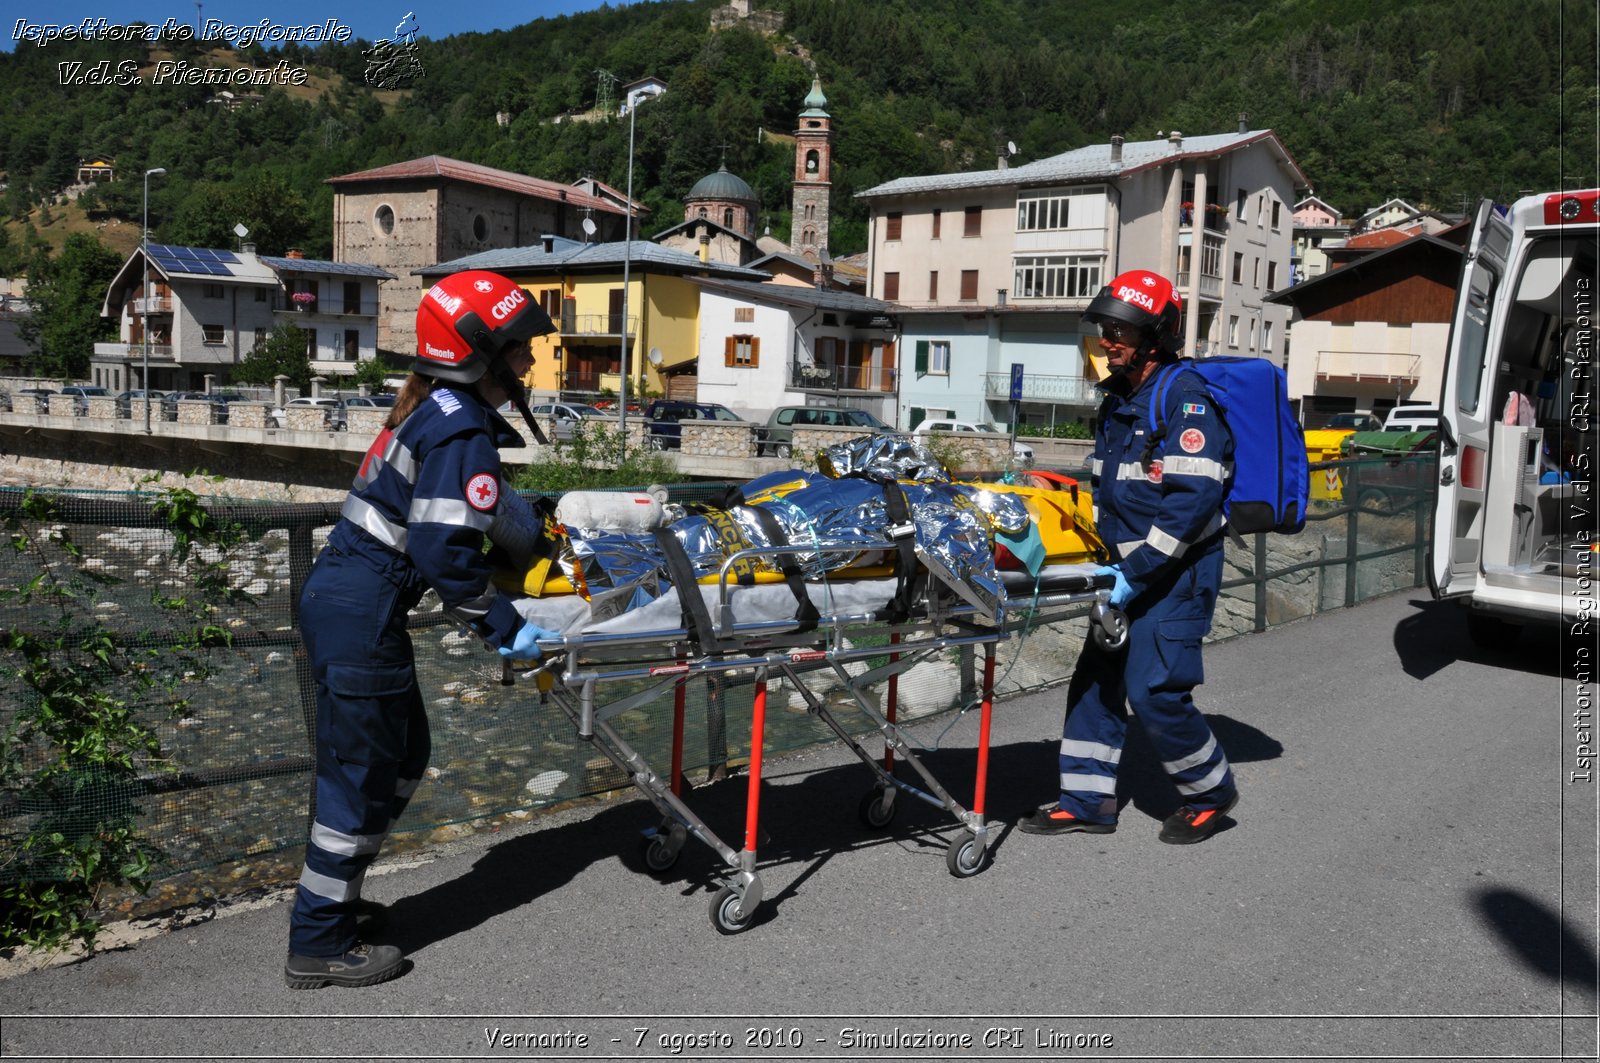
x,y
1514,525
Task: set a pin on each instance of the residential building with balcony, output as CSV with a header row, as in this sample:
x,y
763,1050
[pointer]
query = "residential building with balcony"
x,y
1372,334
1318,228
203,310
581,286
993,269
771,344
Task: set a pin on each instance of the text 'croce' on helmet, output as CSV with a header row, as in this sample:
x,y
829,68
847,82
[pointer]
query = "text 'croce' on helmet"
x,y
469,319
1144,300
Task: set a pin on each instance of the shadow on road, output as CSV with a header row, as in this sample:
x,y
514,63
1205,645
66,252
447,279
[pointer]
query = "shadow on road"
x,y
1436,636
1539,937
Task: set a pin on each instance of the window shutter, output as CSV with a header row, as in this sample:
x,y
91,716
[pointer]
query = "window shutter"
x,y
918,415
922,357
755,351
728,348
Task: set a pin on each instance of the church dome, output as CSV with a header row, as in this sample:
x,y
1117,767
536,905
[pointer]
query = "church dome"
x,y
722,185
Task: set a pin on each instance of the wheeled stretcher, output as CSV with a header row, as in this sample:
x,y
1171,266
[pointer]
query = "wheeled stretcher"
x,y
859,634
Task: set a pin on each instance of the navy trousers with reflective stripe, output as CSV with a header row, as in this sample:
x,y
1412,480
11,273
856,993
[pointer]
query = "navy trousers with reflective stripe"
x,y
372,735
1154,674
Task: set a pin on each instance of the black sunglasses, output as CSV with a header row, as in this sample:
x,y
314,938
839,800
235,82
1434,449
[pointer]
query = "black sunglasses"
x,y
1122,335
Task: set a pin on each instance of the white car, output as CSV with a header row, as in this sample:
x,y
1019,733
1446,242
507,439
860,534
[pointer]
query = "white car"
x,y
333,410
1019,451
1412,419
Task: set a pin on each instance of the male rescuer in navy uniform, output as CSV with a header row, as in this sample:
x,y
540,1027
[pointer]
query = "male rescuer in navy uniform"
x,y
1160,510
427,493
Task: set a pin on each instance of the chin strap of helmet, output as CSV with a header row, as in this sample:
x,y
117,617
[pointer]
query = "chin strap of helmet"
x,y
518,395
1148,348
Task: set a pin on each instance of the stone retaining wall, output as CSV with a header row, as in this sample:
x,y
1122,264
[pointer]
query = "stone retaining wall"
x,y
723,439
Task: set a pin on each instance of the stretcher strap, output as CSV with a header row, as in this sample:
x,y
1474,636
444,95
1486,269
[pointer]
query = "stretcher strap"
x,y
696,617
908,575
805,613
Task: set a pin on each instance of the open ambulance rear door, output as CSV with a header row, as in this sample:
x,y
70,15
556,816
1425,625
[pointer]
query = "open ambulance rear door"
x,y
1465,416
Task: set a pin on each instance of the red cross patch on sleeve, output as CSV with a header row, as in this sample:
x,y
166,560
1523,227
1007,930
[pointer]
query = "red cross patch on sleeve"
x,y
483,491
1192,441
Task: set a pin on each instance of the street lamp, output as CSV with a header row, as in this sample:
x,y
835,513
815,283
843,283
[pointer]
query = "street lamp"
x,y
144,255
627,261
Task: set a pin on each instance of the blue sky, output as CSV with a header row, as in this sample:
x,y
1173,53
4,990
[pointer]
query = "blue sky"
x,y
371,19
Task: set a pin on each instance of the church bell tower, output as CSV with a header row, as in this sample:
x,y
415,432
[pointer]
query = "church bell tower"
x,y
813,165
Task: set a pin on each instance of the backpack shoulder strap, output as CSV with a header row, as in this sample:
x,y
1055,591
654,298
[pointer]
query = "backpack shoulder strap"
x,y
1158,404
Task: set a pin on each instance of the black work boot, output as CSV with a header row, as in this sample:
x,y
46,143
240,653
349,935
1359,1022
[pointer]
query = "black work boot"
x,y
1052,819
361,966
1189,825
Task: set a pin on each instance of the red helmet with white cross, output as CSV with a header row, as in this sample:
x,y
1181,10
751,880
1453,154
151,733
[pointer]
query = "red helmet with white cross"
x,y
1144,300
469,319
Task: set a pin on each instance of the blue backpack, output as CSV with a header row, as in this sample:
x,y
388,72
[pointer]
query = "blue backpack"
x,y
1271,473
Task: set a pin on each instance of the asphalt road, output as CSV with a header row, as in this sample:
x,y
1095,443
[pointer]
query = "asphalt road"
x,y
1411,873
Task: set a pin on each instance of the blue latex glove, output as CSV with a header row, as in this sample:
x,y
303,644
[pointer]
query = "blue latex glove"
x,y
525,643
1122,593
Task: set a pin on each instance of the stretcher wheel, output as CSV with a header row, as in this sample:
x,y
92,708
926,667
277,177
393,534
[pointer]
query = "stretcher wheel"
x,y
726,914
876,809
1108,626
964,858
659,854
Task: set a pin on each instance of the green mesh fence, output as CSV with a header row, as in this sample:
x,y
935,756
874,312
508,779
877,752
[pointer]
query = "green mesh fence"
x,y
229,778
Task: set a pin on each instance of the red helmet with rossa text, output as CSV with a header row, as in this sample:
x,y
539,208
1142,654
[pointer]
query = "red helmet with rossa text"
x,y
469,319
1144,300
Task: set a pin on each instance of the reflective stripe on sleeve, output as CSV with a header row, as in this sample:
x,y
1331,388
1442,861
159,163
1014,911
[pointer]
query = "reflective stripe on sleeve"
x,y
1184,465
364,515
1091,751
331,888
341,844
1133,470
1174,547
1094,784
477,608
452,511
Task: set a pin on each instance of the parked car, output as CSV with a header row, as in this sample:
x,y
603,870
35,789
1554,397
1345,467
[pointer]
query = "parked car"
x,y
221,399
567,415
169,402
1019,451
40,398
778,437
369,402
1412,419
334,408
131,403
1354,422
665,415
82,394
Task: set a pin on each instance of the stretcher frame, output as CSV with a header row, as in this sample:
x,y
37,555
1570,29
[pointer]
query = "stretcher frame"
x,y
575,668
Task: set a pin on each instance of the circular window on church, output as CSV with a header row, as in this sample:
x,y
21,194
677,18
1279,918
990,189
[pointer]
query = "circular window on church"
x,y
383,218
480,228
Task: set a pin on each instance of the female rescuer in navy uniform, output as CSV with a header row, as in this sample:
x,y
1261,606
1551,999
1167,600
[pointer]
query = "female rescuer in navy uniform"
x,y
1160,510
425,496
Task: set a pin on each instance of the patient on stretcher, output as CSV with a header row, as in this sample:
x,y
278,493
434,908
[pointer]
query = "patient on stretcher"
x,y
880,508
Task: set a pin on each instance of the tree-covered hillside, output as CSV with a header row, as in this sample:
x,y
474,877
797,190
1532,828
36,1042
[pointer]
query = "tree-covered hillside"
x,y
1440,103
